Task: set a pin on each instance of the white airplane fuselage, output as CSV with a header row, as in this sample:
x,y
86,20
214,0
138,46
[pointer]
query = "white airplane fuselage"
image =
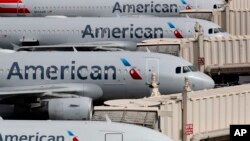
x,y
61,30
28,130
62,85
116,74
104,8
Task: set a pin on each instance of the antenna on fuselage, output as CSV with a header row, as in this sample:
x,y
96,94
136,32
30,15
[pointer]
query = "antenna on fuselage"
x,y
15,47
107,118
147,49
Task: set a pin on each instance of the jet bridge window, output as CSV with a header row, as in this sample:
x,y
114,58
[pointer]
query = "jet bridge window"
x,y
178,70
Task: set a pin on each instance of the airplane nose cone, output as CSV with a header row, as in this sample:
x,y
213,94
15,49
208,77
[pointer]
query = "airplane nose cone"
x,y
201,81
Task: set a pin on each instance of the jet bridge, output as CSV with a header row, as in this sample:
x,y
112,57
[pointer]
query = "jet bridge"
x,y
192,115
225,59
200,13
144,115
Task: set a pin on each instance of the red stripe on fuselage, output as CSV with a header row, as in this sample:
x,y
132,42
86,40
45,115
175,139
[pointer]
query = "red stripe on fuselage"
x,y
10,1
14,10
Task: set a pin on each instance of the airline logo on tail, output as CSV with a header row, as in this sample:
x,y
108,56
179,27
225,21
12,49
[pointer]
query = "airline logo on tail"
x,y
188,7
10,6
177,34
74,138
133,73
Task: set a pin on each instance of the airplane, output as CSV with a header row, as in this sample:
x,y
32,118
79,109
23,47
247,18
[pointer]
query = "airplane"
x,y
105,8
121,32
65,83
42,130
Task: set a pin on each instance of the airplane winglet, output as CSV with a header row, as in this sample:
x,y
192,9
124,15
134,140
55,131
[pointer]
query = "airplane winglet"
x,y
107,118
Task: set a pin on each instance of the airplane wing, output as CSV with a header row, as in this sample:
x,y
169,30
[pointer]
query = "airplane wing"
x,y
67,90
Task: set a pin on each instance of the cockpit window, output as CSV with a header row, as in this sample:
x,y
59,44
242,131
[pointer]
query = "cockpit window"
x,y
221,30
210,31
186,69
193,68
217,6
178,70
215,30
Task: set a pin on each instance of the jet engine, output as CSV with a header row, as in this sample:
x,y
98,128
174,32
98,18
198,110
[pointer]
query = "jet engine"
x,y
70,108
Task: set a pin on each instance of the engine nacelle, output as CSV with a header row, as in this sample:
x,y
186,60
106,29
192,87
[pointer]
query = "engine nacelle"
x,y
70,108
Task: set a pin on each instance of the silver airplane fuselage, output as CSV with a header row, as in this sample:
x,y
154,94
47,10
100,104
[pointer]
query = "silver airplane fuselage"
x,y
104,8
31,130
118,74
128,31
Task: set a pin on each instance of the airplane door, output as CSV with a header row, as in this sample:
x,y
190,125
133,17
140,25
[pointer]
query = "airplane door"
x,y
113,137
190,29
152,65
21,10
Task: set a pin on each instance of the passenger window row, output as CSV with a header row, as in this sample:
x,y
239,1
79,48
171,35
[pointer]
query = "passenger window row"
x,y
70,7
63,30
86,71
39,31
